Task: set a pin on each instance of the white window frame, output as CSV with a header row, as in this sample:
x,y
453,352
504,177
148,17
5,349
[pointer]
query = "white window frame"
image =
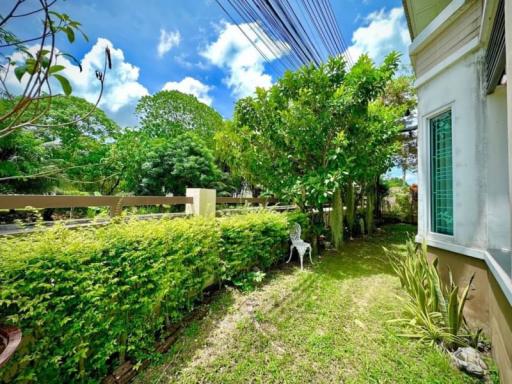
x,y
428,165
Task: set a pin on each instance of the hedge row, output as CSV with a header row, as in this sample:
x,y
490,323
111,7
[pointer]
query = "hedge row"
x,y
88,299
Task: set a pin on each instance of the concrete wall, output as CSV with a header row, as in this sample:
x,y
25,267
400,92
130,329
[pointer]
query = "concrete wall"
x,y
487,307
458,88
500,321
463,267
498,203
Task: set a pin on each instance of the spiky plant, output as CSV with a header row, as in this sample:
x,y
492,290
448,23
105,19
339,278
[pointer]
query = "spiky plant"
x,y
433,312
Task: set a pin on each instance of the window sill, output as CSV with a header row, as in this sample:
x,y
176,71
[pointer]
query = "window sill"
x,y
491,258
503,278
448,246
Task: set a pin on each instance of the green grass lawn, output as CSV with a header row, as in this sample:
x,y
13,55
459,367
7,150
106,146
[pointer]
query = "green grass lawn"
x,y
327,324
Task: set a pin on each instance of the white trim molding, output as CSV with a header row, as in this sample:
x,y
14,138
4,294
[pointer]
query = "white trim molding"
x,y
435,27
455,248
447,62
504,281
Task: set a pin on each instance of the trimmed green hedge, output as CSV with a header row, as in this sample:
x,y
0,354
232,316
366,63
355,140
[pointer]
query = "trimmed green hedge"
x,y
87,299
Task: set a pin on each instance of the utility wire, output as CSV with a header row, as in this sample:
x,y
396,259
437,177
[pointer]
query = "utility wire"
x,y
289,33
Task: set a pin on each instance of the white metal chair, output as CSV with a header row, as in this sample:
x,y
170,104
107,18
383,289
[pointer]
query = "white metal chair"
x,y
300,245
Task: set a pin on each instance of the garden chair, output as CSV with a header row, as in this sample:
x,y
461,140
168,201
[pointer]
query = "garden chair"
x,y
300,245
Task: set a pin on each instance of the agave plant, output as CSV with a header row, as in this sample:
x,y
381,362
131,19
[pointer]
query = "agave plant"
x,y
433,312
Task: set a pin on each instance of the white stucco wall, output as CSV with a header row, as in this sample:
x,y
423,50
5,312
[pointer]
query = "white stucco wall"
x,y
480,158
498,203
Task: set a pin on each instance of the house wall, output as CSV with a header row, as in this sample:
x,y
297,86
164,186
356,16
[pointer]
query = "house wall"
x,y
463,267
481,148
457,87
450,39
487,306
498,203
508,48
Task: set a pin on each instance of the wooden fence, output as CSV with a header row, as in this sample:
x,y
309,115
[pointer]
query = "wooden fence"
x,y
115,203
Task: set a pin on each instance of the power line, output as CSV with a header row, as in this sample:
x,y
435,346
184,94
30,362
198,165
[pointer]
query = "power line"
x,y
290,33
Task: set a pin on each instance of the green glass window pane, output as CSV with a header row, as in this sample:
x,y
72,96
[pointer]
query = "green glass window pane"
x,y
441,180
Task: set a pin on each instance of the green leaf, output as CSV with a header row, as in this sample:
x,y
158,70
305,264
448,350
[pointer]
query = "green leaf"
x,y
70,34
56,68
64,83
20,71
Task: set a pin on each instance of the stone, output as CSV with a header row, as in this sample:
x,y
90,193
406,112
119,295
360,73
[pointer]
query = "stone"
x,y
468,359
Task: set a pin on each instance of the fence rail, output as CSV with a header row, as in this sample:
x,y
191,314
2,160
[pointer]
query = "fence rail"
x,y
243,200
116,203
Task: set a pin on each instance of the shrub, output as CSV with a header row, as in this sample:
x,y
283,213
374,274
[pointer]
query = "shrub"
x,y
434,312
88,299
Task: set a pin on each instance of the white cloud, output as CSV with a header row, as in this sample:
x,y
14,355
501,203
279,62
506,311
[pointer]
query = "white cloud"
x,y
121,88
167,41
384,32
233,51
191,86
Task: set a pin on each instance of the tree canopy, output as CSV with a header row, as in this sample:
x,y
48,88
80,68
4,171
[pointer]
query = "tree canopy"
x,y
70,153
297,138
170,113
316,130
159,166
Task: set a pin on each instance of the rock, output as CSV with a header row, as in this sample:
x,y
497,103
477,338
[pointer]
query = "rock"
x,y
469,360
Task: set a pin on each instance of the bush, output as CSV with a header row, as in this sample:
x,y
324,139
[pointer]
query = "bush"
x,y
86,300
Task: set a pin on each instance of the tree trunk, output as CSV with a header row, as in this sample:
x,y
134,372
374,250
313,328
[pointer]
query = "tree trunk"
x,y
351,208
337,219
370,208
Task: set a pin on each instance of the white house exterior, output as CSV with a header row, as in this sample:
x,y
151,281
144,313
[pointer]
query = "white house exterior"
x,y
461,52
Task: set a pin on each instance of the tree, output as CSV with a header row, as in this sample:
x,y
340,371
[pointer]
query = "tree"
x,y
81,146
159,166
294,138
37,67
22,153
400,92
170,113
72,153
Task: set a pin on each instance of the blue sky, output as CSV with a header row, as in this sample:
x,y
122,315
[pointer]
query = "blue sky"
x,y
190,46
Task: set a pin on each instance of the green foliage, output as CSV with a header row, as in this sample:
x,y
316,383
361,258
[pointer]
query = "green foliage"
x,y
80,149
22,154
170,113
249,281
61,151
394,182
30,63
157,166
293,138
434,311
314,131
89,299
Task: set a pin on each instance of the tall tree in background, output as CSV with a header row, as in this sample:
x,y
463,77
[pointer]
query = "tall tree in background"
x,y
170,113
294,138
148,165
71,154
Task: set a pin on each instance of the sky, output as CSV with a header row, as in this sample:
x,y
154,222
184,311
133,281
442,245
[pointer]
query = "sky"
x,y
190,45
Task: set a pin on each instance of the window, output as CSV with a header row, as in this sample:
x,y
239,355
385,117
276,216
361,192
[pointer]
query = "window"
x,y
441,173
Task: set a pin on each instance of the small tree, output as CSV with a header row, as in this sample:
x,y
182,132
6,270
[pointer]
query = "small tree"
x,y
294,139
